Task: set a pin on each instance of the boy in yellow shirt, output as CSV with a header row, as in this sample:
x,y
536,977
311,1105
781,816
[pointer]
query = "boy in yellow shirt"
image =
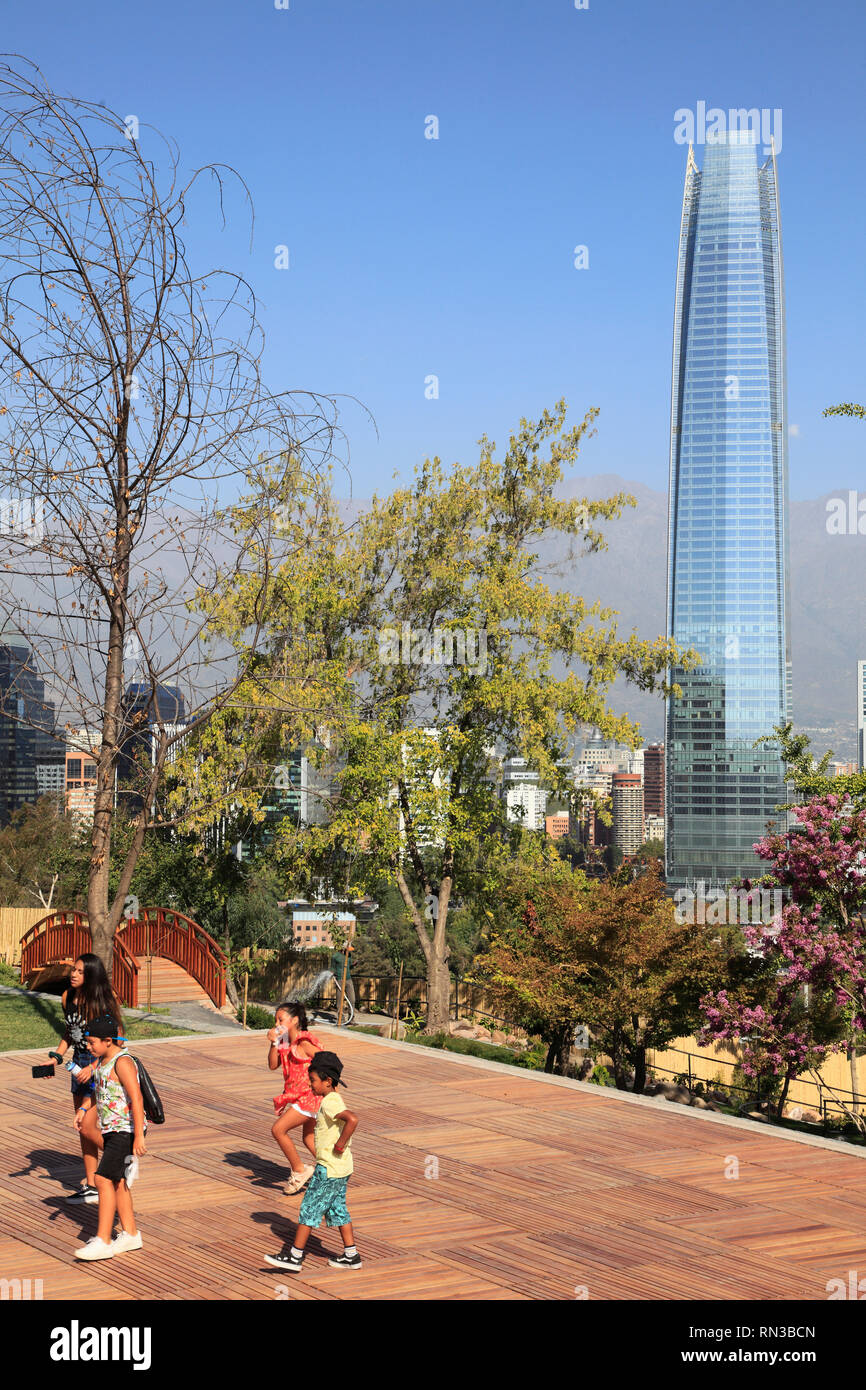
x,y
326,1192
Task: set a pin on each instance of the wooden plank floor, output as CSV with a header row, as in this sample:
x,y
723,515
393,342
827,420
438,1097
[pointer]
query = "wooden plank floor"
x,y
469,1184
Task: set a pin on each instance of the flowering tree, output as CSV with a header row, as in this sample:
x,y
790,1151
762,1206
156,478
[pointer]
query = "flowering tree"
x,y
815,950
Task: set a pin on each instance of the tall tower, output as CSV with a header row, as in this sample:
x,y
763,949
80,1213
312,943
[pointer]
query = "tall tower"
x,y
728,523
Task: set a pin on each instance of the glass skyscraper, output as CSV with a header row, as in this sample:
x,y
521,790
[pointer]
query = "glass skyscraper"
x,y
728,524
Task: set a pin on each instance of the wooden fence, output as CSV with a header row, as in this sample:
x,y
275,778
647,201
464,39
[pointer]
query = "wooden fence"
x,y
14,922
280,974
716,1062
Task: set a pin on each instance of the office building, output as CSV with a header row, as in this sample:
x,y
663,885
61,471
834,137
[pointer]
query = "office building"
x,y
728,530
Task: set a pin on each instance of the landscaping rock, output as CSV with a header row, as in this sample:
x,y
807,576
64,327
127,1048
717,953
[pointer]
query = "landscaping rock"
x,y
756,1115
498,1038
462,1028
392,1030
681,1096
699,1103
519,1044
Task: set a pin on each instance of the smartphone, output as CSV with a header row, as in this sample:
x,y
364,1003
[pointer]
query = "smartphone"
x,y
47,1070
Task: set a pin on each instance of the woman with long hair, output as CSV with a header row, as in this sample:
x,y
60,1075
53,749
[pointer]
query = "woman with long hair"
x,y
87,996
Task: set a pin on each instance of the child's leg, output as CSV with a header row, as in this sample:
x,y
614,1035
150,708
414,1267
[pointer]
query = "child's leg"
x,y
309,1131
107,1189
346,1233
91,1143
280,1130
124,1208
302,1235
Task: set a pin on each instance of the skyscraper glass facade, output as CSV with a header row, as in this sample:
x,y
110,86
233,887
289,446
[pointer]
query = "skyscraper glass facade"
x,y
728,530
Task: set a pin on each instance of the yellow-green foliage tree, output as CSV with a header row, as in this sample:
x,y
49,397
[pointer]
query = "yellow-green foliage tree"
x,y
409,651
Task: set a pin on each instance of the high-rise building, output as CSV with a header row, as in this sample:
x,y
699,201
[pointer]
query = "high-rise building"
x,y
654,780
861,713
31,757
146,707
728,531
525,798
627,797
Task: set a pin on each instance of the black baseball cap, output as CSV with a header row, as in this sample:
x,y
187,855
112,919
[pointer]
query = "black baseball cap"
x,y
328,1066
105,1027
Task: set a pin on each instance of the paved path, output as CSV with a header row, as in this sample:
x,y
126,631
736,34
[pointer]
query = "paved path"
x,y
473,1181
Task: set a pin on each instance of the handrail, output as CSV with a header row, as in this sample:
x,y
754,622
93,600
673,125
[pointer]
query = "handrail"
x,y
178,938
63,934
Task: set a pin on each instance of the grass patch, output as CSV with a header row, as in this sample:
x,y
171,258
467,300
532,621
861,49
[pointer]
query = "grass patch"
x,y
470,1047
38,1022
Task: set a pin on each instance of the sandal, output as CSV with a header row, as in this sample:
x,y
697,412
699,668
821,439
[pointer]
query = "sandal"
x,y
298,1180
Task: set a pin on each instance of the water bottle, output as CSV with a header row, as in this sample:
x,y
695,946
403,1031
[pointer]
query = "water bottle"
x,y
72,1066
282,1039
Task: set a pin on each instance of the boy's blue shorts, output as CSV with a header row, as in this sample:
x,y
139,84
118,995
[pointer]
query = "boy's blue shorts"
x,y
324,1197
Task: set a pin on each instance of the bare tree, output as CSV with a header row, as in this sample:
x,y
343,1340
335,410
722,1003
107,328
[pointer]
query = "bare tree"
x,y
132,417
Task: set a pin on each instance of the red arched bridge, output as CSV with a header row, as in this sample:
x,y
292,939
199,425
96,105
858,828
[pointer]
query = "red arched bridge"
x,y
159,956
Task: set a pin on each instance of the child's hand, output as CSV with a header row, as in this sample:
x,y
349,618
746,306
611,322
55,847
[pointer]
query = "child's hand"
x,y
84,1075
79,1118
139,1148
272,1035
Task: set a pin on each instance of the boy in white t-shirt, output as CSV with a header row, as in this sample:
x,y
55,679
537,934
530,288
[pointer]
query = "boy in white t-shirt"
x,y
326,1193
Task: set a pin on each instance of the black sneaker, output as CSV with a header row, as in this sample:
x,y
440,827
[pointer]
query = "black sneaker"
x,y
84,1194
346,1262
287,1261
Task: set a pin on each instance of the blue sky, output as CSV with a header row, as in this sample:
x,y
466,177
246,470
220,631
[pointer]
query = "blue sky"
x,y
411,257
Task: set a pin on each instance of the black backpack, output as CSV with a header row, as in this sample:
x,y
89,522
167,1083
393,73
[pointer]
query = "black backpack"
x,y
149,1095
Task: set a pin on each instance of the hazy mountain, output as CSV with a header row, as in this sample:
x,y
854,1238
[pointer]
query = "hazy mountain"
x,y
828,620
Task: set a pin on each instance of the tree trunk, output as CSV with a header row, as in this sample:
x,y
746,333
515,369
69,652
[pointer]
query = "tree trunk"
x,y
855,1080
438,996
639,1069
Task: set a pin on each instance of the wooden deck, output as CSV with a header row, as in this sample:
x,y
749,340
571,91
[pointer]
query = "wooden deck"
x,y
543,1191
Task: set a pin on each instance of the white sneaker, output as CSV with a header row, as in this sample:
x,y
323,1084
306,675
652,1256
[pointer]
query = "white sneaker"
x,y
95,1249
124,1241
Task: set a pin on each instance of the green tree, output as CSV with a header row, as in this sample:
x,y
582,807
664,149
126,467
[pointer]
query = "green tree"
x,y
609,955
44,856
413,649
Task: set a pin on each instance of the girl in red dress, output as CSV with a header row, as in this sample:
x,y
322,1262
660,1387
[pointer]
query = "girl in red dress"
x,y
293,1047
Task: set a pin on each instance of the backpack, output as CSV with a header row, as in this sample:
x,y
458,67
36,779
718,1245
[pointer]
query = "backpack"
x,y
149,1095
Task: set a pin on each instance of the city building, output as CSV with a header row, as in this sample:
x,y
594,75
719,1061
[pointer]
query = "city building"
x,y
653,826
728,528
627,798
557,825
312,928
525,799
31,757
861,713
654,780
80,774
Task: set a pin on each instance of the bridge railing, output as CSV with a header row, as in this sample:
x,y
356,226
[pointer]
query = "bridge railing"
x,y
163,932
63,936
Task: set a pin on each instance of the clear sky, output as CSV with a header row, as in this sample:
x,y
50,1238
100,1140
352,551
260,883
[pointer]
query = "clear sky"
x,y
411,257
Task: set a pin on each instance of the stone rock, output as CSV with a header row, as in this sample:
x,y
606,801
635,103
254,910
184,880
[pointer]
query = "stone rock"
x,y
462,1028
498,1038
756,1115
392,1030
680,1096
512,1040
810,1118
699,1103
